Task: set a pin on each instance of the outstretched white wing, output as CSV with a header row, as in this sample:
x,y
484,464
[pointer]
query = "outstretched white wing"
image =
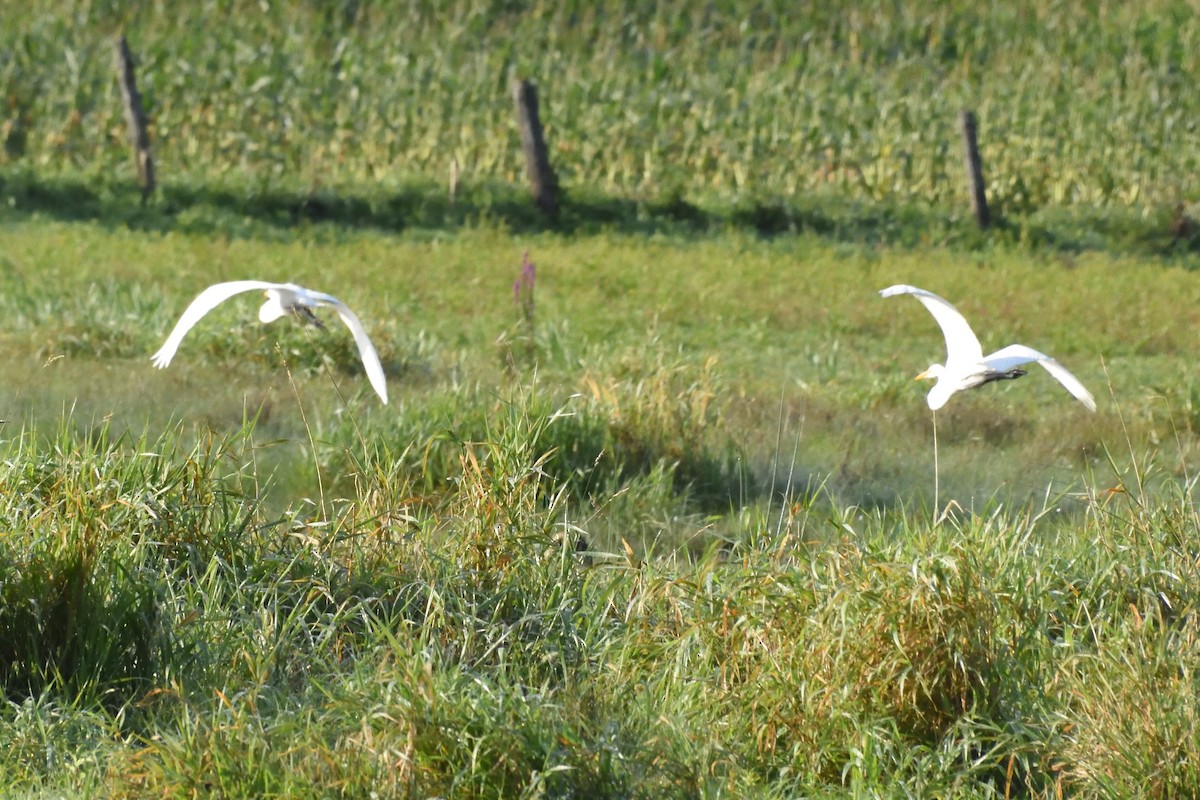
x,y
366,350
962,347
206,301
1017,354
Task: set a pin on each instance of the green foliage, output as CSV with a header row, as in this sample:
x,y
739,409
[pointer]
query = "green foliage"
x,y
479,643
1078,106
73,615
657,528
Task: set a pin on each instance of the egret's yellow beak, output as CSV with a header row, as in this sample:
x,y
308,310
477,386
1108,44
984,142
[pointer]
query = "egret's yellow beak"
x,y
923,376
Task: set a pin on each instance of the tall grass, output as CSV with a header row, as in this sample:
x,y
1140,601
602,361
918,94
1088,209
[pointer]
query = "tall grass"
x,y
164,637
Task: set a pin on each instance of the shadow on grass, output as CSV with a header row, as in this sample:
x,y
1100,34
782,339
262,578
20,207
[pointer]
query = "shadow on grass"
x,y
252,211
248,210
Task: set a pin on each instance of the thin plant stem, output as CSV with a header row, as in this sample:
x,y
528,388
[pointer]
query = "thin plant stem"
x,y
937,505
338,389
312,444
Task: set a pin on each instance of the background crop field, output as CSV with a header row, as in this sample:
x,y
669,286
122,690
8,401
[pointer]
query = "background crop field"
x,y
657,519
1088,106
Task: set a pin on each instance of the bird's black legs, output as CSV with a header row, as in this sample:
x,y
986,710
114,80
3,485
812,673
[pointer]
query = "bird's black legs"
x,y
305,314
1010,375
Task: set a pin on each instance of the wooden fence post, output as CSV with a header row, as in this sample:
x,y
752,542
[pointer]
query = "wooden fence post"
x,y
974,164
135,117
542,181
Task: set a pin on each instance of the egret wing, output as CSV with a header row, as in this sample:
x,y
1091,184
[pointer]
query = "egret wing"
x,y
1017,354
366,350
206,301
962,346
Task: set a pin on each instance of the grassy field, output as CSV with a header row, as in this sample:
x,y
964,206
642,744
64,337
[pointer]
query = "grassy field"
x,y
656,519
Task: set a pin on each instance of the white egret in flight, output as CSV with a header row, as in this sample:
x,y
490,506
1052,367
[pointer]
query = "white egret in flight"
x,y
966,367
282,298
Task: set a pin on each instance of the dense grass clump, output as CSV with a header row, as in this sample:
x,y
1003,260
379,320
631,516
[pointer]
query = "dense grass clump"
x,y
480,643
92,520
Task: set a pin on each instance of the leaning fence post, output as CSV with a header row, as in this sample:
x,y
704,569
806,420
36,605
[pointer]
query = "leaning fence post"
x,y
537,161
135,117
974,165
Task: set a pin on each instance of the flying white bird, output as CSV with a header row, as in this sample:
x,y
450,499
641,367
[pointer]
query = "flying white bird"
x,y
282,298
966,367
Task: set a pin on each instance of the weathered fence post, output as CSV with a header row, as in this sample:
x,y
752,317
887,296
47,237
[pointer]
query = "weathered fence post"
x,y
974,169
135,117
537,161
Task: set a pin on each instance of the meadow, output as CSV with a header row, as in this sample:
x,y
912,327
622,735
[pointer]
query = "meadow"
x,y
655,518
